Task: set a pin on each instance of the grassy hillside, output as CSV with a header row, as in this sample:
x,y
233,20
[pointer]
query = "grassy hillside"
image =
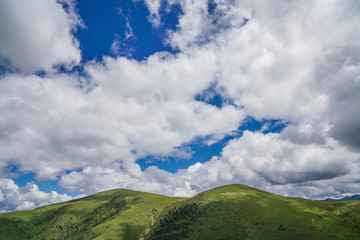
x,y
115,214
230,212
240,212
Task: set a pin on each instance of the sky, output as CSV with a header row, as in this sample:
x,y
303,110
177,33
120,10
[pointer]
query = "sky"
x,y
178,96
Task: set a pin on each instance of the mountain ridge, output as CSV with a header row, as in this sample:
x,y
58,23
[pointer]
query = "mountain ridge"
x,y
347,198
228,212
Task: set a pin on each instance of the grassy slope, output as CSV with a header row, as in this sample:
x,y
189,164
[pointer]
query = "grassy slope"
x,y
115,214
257,215
229,212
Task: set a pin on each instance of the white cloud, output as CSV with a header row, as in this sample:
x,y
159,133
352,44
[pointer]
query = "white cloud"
x,y
154,8
128,32
13,197
122,47
92,180
296,61
127,110
278,72
268,162
36,35
115,46
286,61
192,25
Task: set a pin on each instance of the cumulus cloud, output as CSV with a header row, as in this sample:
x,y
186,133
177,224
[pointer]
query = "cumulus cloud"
x,y
13,197
282,60
268,161
36,35
203,21
265,161
123,111
153,179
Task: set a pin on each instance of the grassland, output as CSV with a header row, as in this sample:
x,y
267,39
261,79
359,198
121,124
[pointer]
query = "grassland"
x,y
240,212
115,214
230,212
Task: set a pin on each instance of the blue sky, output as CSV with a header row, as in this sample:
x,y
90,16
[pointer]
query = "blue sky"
x,y
176,97
113,20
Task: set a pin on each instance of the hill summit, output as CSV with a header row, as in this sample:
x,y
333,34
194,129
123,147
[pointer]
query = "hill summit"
x,y
228,212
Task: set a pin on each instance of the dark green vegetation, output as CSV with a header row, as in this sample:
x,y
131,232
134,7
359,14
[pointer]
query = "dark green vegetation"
x,y
229,212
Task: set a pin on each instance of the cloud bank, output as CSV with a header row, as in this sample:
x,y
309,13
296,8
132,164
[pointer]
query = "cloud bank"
x,y
13,197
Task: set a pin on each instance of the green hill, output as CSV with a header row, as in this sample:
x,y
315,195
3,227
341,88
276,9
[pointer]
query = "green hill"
x,y
229,212
115,214
240,212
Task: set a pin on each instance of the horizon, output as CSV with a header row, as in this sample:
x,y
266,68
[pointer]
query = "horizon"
x,y
175,97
